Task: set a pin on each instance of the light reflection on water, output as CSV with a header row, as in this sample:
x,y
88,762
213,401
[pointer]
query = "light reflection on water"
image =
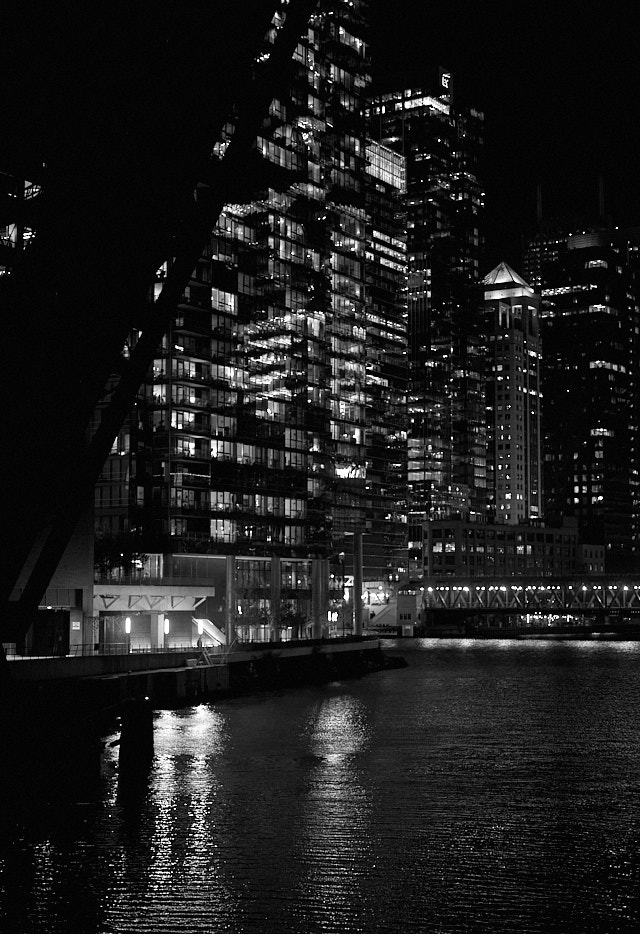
x,y
336,838
490,786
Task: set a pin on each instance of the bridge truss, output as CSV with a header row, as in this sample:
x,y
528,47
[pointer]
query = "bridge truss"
x,y
588,596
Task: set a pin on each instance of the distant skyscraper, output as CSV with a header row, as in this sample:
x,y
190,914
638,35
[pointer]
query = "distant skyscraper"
x,y
514,397
591,336
385,541
541,251
446,469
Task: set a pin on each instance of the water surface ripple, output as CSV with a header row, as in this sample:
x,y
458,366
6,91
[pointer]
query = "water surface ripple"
x,y
490,786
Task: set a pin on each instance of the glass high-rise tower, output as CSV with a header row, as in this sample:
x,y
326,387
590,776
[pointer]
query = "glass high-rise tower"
x,y
446,448
252,458
385,541
590,326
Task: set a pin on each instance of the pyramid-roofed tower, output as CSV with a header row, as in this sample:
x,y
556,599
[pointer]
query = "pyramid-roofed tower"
x,y
512,315
503,274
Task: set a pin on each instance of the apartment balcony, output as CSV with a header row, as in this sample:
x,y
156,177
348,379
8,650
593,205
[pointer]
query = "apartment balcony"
x,y
190,480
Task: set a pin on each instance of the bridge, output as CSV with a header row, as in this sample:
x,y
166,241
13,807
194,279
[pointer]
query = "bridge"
x,y
518,596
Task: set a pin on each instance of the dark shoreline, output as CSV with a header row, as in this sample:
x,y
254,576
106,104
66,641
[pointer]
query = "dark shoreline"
x,y
66,721
621,633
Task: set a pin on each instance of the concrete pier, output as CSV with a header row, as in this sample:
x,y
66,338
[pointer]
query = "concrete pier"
x,y
178,678
58,709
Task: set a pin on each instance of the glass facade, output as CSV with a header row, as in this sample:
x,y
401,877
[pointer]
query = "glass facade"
x,y
590,327
385,543
446,444
272,427
264,373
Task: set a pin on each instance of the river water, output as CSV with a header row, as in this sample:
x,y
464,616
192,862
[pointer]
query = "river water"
x,y
490,786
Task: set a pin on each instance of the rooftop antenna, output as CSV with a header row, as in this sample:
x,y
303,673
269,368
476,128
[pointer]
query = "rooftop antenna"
x,y
601,213
539,204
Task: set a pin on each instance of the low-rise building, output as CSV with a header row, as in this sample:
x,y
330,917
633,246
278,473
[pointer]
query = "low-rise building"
x,y
456,548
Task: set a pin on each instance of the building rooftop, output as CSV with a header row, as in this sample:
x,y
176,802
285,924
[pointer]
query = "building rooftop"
x,y
503,274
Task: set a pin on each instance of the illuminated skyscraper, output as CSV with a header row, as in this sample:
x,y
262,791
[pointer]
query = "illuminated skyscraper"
x,y
514,397
385,541
252,459
441,142
590,325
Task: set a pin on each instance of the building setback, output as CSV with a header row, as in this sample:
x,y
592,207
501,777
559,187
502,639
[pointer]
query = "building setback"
x,y
446,450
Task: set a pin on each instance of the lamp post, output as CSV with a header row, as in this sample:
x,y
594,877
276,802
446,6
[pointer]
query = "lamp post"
x,y
357,583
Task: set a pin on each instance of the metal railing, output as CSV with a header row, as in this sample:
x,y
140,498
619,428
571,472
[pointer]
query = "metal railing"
x,y
85,649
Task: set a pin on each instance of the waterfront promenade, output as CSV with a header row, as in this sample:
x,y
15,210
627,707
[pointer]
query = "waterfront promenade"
x,y
167,679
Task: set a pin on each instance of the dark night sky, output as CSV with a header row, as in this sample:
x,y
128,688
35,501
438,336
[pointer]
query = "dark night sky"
x,y
559,84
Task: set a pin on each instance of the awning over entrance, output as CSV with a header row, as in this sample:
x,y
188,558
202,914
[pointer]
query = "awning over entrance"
x,y
123,598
